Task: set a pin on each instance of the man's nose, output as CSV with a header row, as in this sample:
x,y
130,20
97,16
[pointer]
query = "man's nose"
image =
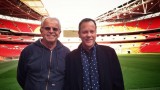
x,y
88,34
51,30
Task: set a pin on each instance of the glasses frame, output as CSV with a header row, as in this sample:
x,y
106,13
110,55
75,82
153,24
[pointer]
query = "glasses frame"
x,y
49,28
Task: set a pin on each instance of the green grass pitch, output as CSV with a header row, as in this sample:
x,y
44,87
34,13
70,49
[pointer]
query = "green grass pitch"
x,y
140,72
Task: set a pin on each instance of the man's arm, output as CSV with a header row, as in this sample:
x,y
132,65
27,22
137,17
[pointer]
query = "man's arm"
x,y
118,83
21,72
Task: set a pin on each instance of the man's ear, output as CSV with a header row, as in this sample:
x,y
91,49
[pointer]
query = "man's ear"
x,y
40,30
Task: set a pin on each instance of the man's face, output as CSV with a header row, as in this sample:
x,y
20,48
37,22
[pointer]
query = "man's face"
x,y
87,33
50,30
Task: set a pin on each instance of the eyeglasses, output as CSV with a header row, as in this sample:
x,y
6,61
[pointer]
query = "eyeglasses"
x,y
49,28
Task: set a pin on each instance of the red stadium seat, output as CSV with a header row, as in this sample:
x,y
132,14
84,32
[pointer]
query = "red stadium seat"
x,y
8,24
8,50
152,47
155,23
18,26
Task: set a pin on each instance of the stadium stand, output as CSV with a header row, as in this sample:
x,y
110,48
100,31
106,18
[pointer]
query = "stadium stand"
x,y
150,47
8,24
155,23
23,27
10,51
126,33
138,25
131,26
18,26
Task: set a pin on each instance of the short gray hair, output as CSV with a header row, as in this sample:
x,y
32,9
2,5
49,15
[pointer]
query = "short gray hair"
x,y
53,18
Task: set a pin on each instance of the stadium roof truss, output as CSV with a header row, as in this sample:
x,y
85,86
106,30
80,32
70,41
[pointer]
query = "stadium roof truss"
x,y
37,6
26,9
131,9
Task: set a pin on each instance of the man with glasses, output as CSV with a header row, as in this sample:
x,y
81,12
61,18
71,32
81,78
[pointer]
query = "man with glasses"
x,y
41,64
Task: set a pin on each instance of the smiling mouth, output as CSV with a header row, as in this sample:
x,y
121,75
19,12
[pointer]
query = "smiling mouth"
x,y
51,35
88,40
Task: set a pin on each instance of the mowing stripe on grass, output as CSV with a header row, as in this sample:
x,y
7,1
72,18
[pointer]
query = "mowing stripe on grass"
x,y
6,66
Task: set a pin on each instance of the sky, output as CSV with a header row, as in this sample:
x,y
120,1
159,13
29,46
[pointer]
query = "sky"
x,y
70,12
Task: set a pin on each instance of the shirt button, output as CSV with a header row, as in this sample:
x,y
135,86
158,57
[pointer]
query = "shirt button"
x,y
53,84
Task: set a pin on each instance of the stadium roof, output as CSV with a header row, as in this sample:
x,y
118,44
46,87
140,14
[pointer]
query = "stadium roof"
x,y
70,12
37,6
30,9
131,9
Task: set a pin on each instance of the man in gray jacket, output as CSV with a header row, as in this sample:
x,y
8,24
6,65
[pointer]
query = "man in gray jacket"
x,y
41,65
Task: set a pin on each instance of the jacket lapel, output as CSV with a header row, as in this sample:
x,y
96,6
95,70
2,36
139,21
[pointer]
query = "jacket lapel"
x,y
79,68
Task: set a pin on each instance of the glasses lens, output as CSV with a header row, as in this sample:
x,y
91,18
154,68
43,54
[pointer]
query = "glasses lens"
x,y
55,29
49,28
